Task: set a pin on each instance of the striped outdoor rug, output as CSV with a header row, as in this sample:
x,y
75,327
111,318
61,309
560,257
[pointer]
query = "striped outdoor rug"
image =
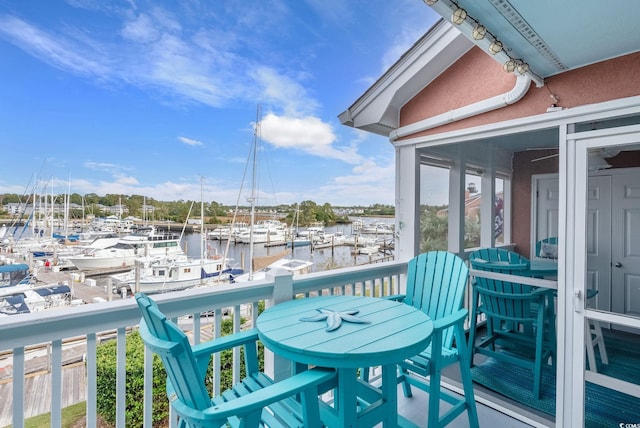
x,y
604,407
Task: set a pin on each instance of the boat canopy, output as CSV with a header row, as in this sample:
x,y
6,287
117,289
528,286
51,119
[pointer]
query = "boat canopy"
x,y
18,267
12,305
54,289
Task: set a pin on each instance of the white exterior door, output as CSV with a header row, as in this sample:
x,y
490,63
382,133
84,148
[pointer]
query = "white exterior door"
x,y
626,247
599,241
598,230
613,242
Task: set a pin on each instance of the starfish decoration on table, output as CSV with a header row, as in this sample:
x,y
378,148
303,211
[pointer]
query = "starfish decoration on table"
x,y
334,319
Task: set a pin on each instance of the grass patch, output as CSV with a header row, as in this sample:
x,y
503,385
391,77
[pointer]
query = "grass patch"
x,y
70,417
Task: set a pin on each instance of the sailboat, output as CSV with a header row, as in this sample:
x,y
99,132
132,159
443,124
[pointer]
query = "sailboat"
x,y
177,272
259,266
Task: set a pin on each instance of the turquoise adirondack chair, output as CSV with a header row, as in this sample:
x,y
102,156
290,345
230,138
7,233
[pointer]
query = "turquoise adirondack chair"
x,y
520,325
498,260
436,283
547,248
255,401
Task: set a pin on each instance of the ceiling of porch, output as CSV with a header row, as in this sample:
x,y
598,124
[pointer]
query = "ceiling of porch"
x,y
549,36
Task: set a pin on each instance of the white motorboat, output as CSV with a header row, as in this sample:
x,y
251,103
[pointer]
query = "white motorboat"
x,y
265,231
260,268
163,274
360,241
25,296
314,229
25,299
223,233
369,249
378,228
12,274
146,243
295,266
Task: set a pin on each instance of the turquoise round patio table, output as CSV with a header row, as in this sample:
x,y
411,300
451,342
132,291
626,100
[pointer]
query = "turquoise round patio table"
x,y
383,333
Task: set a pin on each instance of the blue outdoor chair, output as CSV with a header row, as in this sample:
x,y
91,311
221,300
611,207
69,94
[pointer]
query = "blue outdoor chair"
x,y
547,248
499,260
520,328
436,283
255,401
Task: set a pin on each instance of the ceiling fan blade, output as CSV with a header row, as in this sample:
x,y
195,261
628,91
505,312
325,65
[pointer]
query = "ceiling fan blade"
x,y
544,157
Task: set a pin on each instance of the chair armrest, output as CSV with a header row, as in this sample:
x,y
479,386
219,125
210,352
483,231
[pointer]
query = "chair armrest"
x,y
543,291
225,342
257,400
449,320
203,351
396,297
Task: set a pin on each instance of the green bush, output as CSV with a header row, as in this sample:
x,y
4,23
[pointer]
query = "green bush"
x,y
106,382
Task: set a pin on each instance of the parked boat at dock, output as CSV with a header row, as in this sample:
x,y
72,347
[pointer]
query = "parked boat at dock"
x,y
21,294
147,242
23,299
263,265
13,274
378,228
163,274
265,231
228,232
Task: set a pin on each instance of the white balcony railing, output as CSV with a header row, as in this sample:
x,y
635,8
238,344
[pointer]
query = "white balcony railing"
x,y
52,333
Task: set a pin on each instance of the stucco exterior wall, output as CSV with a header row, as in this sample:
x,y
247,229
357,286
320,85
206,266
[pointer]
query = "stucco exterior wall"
x,y
477,76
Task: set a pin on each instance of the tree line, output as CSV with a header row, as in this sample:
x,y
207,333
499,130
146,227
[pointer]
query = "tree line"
x,y
302,213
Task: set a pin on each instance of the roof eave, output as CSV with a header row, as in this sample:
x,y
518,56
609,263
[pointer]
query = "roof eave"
x,y
378,109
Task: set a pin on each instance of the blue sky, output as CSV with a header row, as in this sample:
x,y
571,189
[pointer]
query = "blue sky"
x,y
158,98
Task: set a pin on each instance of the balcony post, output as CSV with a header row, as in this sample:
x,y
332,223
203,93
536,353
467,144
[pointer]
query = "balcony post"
x,y
277,367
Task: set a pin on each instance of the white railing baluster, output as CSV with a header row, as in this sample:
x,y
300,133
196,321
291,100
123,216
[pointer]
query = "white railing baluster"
x,y
56,383
236,351
217,329
196,328
92,381
121,377
18,387
147,418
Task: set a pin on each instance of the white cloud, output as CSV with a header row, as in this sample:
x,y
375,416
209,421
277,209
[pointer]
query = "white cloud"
x,y
283,91
308,134
190,141
140,30
102,166
368,178
126,180
63,54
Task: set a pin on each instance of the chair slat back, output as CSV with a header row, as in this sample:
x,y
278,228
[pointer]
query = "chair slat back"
x,y
509,301
552,240
166,339
498,260
435,284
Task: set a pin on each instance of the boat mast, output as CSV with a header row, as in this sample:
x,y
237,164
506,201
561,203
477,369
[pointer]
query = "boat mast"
x,y
202,237
252,198
67,203
202,249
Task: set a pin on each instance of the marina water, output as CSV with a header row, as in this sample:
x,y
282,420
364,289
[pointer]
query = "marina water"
x,y
323,258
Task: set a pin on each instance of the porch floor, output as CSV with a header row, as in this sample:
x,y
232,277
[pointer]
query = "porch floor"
x,y
415,408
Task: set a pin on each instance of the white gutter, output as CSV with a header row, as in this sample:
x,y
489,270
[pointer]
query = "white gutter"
x,y
514,95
